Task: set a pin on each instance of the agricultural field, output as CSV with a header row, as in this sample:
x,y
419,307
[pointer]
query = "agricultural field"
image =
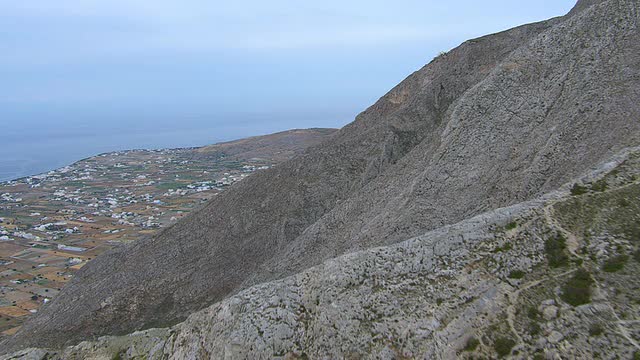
x,y
52,224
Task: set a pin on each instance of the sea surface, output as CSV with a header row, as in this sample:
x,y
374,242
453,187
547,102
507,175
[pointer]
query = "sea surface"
x,y
37,154
33,148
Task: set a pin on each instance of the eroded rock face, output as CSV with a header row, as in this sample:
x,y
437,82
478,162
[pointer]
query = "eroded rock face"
x,y
482,288
497,121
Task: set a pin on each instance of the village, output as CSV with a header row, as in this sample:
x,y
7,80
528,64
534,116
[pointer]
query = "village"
x,y
53,224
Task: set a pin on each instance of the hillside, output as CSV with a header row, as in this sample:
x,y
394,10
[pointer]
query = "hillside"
x,y
53,224
554,277
498,121
275,147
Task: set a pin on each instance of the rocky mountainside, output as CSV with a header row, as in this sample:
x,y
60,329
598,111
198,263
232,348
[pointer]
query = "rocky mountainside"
x,y
498,121
554,277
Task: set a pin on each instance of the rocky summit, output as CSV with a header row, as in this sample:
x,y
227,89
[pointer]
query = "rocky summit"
x,y
486,206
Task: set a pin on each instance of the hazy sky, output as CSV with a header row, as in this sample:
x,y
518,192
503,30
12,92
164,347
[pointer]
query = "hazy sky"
x,y
248,66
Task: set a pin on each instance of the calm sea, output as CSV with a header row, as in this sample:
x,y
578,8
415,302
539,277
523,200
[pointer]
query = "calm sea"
x,y
36,154
30,149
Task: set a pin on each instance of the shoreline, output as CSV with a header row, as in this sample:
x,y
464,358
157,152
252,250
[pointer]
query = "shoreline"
x,y
23,177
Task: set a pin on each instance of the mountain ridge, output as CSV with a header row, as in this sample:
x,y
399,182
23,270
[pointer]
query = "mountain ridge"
x,y
496,121
444,287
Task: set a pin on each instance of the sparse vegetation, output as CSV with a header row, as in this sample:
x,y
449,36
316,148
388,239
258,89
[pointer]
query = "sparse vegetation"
x,y
510,226
596,330
516,274
533,313
600,185
578,189
615,263
631,229
534,328
622,202
506,247
503,346
555,249
577,290
472,344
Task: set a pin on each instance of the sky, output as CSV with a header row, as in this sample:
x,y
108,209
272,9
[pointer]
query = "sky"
x,y
237,68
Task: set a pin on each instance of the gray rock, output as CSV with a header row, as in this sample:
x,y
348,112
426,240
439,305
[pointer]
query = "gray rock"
x,y
497,121
550,312
555,337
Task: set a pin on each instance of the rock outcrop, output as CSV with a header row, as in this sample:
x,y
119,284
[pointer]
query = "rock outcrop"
x,y
497,121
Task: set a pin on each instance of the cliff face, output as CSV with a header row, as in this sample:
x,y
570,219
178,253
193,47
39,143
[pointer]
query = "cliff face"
x,y
496,121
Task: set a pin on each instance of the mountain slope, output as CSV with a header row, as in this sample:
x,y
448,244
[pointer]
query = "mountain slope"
x,y
278,147
490,285
499,120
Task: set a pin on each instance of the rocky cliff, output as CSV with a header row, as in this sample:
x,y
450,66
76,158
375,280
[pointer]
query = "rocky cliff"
x,y
498,121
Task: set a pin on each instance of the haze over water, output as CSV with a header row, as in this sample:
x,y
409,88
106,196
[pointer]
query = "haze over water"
x,y
29,150
82,78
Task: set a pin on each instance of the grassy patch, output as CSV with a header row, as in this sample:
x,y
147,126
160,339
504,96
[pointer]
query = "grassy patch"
x,y
510,226
170,185
503,248
534,328
503,346
555,248
577,290
596,330
472,344
533,313
516,274
622,202
599,186
615,263
578,189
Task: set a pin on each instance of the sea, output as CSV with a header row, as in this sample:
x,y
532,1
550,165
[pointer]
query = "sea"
x,y
31,155
35,148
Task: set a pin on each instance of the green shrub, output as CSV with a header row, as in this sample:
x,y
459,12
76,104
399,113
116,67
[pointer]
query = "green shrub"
x,y
533,313
472,344
578,189
600,185
503,346
505,247
596,330
577,290
516,274
615,263
622,202
510,226
555,248
631,230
